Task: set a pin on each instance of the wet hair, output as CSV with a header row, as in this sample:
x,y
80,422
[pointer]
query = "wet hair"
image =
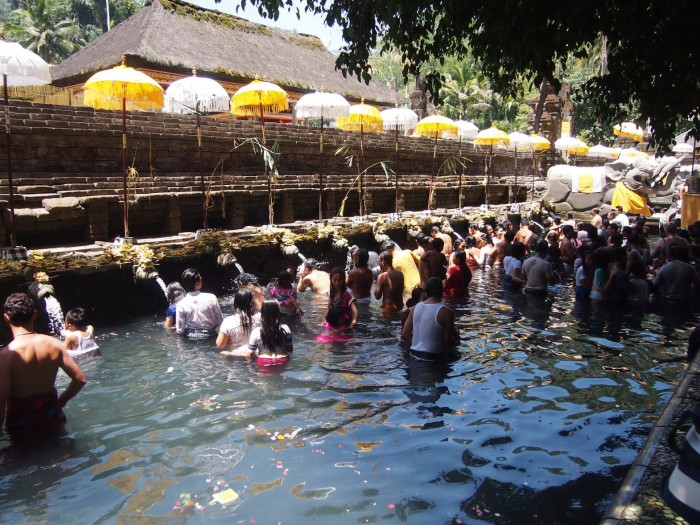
x,y
77,318
423,240
438,244
284,279
245,278
542,247
433,287
524,222
386,257
435,229
567,229
175,292
311,264
335,316
388,245
470,241
190,277
460,259
601,259
416,295
362,258
337,270
19,308
619,209
518,250
509,235
616,239
271,332
243,303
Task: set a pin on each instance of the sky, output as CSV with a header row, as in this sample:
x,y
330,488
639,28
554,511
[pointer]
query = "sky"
x,y
309,24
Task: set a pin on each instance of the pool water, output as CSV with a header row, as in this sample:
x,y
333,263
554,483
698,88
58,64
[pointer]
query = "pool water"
x,y
536,423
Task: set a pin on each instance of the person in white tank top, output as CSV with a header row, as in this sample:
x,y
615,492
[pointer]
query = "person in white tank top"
x,y
430,327
79,337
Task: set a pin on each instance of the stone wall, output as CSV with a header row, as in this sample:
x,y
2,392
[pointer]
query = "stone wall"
x,y
67,165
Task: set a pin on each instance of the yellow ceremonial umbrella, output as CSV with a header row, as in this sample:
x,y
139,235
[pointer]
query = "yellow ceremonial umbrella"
x,y
633,152
490,137
435,126
123,88
361,117
571,146
254,99
629,130
538,143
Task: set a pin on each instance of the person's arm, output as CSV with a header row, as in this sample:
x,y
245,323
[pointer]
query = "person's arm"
x,y
551,279
379,286
518,276
77,378
218,314
355,313
288,344
169,322
303,284
450,336
5,384
253,341
297,310
407,330
222,340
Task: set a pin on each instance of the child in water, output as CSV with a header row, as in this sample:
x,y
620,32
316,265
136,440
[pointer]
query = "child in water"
x,y
340,296
334,326
175,293
78,335
285,293
272,340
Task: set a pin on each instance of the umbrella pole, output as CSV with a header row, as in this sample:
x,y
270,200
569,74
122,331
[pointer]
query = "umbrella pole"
x,y
270,203
488,175
201,168
396,174
432,172
362,156
461,175
515,190
320,177
124,169
533,174
13,233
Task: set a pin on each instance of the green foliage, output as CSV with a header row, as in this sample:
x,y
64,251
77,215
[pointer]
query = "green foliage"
x,y
651,56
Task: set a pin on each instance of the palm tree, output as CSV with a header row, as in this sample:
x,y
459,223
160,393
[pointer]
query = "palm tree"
x,y
43,27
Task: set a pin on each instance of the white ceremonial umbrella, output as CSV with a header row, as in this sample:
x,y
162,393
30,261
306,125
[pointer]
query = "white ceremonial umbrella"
x,y
19,67
467,130
321,105
571,146
683,147
197,95
602,152
398,119
518,141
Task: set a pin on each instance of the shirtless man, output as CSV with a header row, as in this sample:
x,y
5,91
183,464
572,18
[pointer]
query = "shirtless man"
x,y
435,233
524,234
28,368
478,235
502,249
360,279
432,263
567,248
596,219
318,280
248,281
389,287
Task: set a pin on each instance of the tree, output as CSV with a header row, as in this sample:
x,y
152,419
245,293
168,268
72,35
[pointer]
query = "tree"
x,y
651,54
40,27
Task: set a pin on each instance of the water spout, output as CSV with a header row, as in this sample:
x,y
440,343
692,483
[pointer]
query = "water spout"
x,y
55,313
162,286
228,259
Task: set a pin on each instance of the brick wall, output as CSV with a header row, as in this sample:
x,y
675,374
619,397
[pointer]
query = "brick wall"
x,y
68,182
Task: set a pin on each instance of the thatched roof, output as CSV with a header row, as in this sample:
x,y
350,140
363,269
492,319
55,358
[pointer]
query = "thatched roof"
x,y
174,36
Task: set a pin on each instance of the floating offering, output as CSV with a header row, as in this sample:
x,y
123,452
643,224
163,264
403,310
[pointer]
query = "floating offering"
x,y
225,497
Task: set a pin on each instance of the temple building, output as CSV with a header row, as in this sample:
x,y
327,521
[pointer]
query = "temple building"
x,y
167,39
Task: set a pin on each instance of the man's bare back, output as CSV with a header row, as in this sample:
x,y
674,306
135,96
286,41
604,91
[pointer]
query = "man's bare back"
x,y
319,282
360,282
500,252
432,264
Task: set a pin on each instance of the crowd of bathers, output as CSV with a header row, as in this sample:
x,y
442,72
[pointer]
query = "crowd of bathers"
x,y
608,260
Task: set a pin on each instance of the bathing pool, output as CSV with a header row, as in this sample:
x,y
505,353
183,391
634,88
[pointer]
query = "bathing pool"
x,y
536,423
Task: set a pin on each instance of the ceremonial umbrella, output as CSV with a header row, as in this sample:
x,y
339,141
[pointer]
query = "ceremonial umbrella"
x,y
435,126
571,146
254,99
123,87
522,142
398,119
197,95
633,152
467,130
683,147
19,67
601,152
490,137
629,130
539,143
321,105
362,117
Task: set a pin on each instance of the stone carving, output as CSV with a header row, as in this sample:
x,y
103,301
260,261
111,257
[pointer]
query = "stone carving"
x,y
643,176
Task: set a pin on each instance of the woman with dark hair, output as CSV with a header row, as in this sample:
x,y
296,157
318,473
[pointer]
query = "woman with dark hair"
x,y
473,253
175,293
340,296
272,340
458,276
513,267
236,328
198,313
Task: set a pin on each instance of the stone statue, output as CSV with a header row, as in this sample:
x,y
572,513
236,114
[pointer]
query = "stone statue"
x,y
582,188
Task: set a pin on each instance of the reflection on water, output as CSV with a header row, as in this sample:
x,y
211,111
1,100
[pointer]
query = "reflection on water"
x,y
537,422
